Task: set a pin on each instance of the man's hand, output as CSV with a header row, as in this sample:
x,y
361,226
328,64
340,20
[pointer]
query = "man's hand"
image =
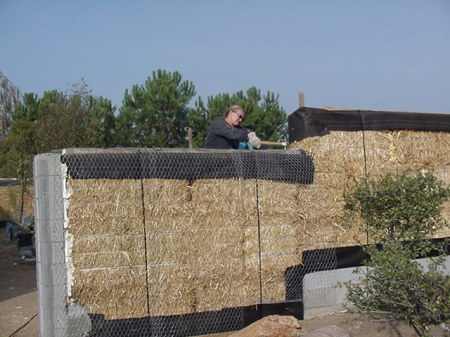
x,y
253,140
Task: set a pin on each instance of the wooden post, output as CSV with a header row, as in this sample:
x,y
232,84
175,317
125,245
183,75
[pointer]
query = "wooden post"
x,y
190,137
301,100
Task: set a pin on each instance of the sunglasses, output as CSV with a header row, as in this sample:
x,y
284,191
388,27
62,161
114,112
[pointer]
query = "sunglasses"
x,y
240,116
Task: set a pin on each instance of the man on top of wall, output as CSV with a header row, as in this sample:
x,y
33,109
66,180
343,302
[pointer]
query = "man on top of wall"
x,y
226,133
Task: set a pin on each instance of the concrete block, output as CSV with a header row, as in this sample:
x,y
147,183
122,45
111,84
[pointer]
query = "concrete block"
x,y
322,293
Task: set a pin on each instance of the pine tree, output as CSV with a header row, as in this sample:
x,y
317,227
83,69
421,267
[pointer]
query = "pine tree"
x,y
155,114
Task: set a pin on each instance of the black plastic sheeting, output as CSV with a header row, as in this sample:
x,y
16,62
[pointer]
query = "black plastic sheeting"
x,y
310,122
202,323
280,165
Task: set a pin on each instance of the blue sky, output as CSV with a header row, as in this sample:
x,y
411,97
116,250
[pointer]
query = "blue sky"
x,y
354,54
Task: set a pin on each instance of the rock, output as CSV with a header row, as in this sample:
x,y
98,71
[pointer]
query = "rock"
x,y
271,326
327,331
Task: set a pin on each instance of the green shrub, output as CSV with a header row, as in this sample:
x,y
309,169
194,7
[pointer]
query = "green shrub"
x,y
401,212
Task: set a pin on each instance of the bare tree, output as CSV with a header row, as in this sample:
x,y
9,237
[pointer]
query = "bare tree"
x,y
9,97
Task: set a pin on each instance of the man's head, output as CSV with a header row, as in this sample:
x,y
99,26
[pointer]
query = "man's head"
x,y
234,115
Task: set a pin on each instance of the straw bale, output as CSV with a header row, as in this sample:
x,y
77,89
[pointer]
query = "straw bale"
x,y
165,197
418,150
335,139
134,292
443,174
274,292
97,190
125,308
281,217
273,268
187,288
202,203
322,221
384,151
188,247
279,238
109,259
205,273
396,151
277,201
110,277
192,221
128,222
338,152
313,220
231,294
107,243
105,206
317,201
333,181
110,291
112,308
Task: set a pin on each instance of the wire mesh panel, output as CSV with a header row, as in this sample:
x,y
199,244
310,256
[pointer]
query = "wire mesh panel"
x,y
157,242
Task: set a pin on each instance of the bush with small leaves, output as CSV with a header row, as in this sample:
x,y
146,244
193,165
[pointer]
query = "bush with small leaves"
x,y
400,213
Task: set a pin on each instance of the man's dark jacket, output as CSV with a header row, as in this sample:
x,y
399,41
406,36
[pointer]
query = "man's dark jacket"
x,y
225,136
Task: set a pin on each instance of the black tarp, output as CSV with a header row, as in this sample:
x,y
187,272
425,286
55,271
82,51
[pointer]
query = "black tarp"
x,y
280,165
310,122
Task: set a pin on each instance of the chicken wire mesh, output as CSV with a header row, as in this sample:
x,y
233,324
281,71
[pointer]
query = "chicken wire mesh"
x,y
170,242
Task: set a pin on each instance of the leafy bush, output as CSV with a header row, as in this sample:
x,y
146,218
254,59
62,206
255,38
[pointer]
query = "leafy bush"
x,y
401,212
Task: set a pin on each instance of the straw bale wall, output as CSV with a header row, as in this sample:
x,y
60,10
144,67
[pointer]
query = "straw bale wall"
x,y
342,156
160,247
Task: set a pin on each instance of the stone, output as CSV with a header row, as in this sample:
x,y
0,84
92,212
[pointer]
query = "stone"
x,y
271,326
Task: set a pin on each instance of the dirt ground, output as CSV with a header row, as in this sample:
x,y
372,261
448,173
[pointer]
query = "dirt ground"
x,y
19,307
18,295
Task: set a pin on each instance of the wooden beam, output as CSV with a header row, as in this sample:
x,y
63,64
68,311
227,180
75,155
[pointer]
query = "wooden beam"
x,y
190,137
301,100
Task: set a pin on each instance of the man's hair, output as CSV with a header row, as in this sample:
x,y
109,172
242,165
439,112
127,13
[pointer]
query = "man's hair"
x,y
233,108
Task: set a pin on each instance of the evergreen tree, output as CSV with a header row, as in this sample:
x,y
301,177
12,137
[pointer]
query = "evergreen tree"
x,y
154,114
